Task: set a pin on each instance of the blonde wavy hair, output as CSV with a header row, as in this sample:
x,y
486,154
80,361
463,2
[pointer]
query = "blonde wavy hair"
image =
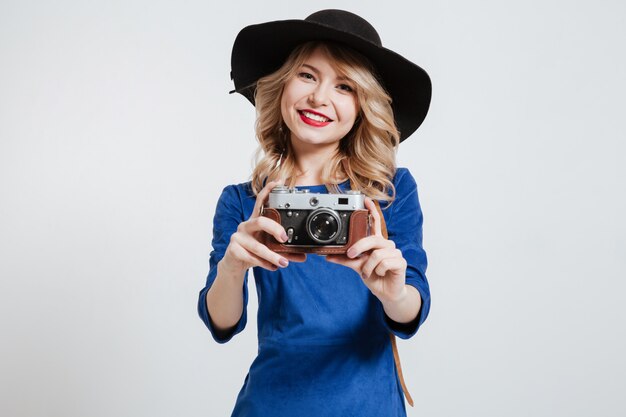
x,y
366,155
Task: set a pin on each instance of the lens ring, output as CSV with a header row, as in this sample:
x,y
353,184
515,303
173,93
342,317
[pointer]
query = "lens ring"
x,y
323,225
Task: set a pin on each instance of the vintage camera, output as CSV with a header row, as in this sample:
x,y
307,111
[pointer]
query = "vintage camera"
x,y
319,223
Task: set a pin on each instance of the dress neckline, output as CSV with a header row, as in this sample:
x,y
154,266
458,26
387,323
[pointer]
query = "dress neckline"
x,y
322,187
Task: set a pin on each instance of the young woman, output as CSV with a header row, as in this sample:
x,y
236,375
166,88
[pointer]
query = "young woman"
x,y
332,107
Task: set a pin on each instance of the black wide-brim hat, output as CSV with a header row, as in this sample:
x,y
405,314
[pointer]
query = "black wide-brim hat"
x,y
261,49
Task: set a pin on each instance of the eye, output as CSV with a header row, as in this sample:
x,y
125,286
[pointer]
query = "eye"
x,y
306,76
346,88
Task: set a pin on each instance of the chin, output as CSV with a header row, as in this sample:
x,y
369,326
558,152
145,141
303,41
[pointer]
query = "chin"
x,y
316,141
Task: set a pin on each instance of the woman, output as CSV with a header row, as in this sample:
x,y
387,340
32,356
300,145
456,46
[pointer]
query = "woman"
x,y
332,106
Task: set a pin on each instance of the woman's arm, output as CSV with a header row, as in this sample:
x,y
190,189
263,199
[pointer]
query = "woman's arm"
x,y
383,270
394,269
406,308
224,300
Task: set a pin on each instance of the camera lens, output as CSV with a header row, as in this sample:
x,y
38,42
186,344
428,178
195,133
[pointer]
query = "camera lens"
x,y
323,225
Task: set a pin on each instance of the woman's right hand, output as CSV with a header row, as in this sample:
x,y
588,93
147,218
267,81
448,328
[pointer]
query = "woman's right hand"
x,y
245,249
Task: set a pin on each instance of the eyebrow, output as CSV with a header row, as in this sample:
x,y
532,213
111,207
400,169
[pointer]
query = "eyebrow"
x,y
341,78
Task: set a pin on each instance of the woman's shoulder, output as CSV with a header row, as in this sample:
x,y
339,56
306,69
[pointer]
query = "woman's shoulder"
x,y
403,182
237,194
242,189
404,185
403,177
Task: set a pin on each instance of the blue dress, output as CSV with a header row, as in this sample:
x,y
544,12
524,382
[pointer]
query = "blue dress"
x,y
324,346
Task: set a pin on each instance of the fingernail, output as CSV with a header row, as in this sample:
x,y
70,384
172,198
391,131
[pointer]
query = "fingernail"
x,y
351,253
283,262
284,237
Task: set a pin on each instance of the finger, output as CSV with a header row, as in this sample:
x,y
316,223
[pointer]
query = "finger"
x,y
369,243
375,258
262,263
262,196
240,253
264,224
257,261
389,265
375,216
255,247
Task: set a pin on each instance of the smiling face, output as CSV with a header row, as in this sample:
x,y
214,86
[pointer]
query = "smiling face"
x,y
293,140
318,105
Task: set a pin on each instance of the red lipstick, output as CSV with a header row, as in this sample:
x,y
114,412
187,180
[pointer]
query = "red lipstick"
x,y
313,122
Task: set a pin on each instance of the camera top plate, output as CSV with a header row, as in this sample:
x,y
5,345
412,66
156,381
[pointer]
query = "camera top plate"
x,y
284,198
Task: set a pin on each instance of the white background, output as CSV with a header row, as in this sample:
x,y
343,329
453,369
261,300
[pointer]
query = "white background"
x,y
117,135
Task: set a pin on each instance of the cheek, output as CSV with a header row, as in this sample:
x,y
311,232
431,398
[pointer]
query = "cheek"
x,y
287,99
349,110
286,104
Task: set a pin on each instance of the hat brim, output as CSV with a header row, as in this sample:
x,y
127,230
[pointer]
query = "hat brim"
x,y
261,49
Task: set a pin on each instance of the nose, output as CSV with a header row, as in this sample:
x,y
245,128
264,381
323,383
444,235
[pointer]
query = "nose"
x,y
319,96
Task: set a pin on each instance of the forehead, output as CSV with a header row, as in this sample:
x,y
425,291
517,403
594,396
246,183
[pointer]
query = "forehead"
x,y
321,59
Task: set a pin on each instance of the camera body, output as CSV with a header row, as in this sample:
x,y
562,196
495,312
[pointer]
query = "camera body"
x,y
315,222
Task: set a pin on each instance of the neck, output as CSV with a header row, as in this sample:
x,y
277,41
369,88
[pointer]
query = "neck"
x,y
310,160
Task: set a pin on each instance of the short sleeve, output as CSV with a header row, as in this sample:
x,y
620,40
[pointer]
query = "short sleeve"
x,y
404,226
228,215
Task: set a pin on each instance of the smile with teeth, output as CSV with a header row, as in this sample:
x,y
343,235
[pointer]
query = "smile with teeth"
x,y
314,116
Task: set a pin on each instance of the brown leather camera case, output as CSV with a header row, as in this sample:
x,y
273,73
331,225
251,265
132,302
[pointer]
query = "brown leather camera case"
x,y
359,228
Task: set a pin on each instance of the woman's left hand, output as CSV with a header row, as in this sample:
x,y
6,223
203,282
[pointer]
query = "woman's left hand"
x,y
376,259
